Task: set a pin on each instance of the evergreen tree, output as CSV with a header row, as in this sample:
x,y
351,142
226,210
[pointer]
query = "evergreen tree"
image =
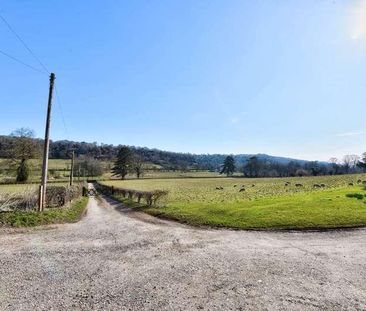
x,y
124,162
228,166
252,167
23,171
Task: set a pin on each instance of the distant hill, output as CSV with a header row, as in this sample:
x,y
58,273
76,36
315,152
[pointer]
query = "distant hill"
x,y
166,159
215,160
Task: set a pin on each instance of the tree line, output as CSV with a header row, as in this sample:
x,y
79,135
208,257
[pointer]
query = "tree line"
x,y
167,160
21,146
255,167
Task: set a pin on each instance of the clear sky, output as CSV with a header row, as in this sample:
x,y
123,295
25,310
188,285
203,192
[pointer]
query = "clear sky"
x,y
286,78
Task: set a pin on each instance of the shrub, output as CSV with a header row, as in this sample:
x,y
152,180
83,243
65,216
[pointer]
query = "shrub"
x,y
358,196
22,172
158,195
150,197
57,196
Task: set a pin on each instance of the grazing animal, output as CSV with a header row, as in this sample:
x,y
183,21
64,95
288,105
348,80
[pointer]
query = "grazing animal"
x,y
350,184
316,186
218,188
241,189
323,185
253,185
299,185
234,186
364,182
359,181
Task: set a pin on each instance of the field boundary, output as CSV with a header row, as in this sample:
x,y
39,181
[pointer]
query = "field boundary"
x,y
305,208
138,208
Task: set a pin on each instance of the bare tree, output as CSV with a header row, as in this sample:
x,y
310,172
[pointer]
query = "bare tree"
x,y
138,165
350,161
24,148
362,163
334,162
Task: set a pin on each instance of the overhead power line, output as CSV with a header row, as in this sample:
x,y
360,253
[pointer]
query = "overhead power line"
x,y
44,71
23,43
21,62
61,112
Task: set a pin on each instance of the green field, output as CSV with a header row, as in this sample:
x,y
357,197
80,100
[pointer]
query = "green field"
x,y
266,203
178,174
59,167
59,170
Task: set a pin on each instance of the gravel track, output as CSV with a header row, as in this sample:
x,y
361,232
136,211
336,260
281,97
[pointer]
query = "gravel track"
x,y
118,259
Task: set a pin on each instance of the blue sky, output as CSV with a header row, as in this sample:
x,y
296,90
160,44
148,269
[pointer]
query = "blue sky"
x,y
279,77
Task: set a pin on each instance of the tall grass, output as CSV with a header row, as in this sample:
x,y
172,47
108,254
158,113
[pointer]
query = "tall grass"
x,y
27,199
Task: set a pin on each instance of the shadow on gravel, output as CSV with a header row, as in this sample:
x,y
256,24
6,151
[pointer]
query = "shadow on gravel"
x,y
139,215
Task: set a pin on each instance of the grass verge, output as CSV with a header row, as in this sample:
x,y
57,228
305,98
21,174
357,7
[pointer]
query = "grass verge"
x,y
49,216
329,209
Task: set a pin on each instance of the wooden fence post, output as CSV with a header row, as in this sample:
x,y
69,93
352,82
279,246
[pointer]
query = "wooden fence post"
x,y
40,198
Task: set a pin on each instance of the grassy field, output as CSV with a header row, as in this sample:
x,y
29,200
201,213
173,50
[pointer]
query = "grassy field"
x,y
37,163
49,216
179,174
59,170
266,203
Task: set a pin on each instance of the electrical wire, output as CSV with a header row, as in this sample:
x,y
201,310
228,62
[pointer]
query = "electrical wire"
x,y
45,70
61,112
21,62
23,43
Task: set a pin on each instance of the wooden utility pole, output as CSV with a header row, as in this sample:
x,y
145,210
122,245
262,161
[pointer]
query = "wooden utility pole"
x,y
43,187
72,168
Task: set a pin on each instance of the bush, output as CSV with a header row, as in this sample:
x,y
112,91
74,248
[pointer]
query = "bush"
x,y
150,197
57,196
23,172
358,196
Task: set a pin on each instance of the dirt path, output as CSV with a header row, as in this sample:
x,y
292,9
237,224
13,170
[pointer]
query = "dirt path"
x,y
115,259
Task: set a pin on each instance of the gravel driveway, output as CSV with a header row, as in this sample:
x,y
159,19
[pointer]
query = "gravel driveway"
x,y
116,259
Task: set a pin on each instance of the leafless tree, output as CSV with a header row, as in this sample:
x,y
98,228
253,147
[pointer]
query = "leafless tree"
x,y
334,162
25,147
350,161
